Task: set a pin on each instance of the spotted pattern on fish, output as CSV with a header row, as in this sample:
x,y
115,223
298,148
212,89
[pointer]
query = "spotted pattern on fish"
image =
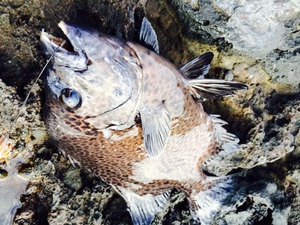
x,y
131,118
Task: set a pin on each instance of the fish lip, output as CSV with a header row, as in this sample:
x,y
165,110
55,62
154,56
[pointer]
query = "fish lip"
x,y
75,59
62,57
51,43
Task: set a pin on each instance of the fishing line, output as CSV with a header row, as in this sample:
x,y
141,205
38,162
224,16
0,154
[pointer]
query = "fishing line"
x,y
30,91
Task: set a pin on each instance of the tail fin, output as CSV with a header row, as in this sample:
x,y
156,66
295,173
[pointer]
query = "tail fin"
x,y
202,89
205,204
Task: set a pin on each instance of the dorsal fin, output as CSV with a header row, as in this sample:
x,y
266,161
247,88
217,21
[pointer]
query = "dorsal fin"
x,y
148,36
198,66
202,89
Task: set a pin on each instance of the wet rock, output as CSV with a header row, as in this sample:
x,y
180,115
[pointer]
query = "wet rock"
x,y
259,29
17,161
256,42
72,178
16,3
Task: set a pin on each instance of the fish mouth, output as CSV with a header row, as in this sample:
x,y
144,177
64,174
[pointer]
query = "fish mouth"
x,y
52,43
66,52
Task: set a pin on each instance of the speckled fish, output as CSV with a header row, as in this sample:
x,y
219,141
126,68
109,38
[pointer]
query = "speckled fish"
x,y
127,115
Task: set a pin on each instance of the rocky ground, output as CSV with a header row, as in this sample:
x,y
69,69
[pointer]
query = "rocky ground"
x,y
256,42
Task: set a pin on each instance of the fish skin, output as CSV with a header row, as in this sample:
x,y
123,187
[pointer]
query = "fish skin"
x,y
117,83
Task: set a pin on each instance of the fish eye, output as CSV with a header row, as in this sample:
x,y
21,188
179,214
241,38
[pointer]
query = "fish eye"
x,y
70,98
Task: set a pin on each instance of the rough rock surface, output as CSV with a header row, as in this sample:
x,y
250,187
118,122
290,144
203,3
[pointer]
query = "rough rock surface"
x,y
256,42
265,30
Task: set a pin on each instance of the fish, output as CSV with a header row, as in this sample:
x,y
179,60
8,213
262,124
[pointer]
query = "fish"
x,y
130,117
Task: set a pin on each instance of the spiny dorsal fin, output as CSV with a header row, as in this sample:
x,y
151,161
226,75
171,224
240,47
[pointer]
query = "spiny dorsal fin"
x,y
156,125
202,89
198,66
148,36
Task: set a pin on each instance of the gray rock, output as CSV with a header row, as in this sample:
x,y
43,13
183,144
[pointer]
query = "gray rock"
x,y
256,42
259,29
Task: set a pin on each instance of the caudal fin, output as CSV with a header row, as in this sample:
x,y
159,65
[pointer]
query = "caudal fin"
x,y
205,204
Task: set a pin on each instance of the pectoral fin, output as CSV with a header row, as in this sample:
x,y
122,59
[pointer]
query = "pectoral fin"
x,y
197,67
156,125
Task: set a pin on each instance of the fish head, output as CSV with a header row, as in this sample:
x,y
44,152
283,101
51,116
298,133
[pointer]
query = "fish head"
x,y
93,78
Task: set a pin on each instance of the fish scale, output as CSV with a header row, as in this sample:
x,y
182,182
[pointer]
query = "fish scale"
x,y
135,121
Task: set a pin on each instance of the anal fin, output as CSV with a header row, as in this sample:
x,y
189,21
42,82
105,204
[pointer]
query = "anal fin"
x,y
143,208
205,204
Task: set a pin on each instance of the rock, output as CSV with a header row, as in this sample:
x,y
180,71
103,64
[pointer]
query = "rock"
x,y
256,42
259,29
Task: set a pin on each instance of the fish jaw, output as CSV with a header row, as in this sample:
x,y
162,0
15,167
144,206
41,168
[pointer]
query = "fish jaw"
x,y
80,39
76,60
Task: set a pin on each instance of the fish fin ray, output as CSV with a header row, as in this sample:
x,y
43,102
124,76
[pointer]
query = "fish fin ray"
x,y
156,125
198,66
227,142
205,204
202,89
225,145
143,208
148,36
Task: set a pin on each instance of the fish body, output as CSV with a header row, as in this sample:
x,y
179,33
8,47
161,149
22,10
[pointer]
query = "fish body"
x,y
133,119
